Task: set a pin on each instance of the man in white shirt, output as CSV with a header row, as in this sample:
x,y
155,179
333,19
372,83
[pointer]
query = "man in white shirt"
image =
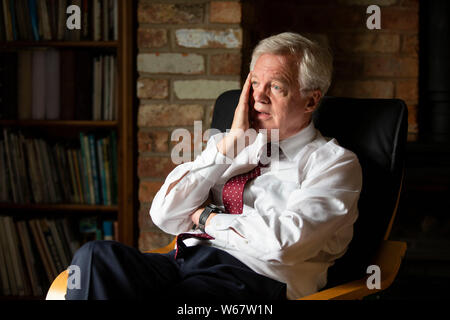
x,y
296,215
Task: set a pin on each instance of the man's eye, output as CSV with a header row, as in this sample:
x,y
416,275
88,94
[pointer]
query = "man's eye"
x,y
278,88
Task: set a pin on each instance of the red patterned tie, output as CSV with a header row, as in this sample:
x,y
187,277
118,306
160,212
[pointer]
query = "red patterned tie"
x,y
233,190
232,197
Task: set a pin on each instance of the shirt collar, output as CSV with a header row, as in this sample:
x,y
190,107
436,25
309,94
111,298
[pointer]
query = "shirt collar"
x,y
292,145
289,146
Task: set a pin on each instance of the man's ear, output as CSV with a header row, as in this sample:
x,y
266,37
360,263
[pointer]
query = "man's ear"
x,y
313,100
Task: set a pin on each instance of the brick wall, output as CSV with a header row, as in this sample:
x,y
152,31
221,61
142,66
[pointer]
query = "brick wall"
x,y
368,63
188,53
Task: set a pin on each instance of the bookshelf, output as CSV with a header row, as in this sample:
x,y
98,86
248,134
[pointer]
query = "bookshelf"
x,y
121,121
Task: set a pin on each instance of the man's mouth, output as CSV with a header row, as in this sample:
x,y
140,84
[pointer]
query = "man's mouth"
x,y
262,115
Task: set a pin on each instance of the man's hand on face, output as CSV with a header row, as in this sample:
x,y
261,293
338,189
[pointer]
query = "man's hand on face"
x,y
241,123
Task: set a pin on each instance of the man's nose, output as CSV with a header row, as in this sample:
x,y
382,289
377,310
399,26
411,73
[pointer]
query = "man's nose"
x,y
260,94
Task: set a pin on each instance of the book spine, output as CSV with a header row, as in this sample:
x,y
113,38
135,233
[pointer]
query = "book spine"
x,y
45,243
107,160
11,169
14,254
4,184
94,164
62,5
24,169
34,19
101,165
75,197
13,19
35,186
82,175
29,258
48,174
64,263
43,181
7,272
113,158
8,23
40,245
87,164
17,168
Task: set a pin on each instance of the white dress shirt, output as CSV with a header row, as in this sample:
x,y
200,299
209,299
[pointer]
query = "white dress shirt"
x,y
298,215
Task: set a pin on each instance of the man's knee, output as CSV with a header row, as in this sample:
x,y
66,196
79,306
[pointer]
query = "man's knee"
x,y
93,248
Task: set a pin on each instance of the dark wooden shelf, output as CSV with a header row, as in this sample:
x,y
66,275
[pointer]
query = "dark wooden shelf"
x,y
60,123
68,44
59,207
21,298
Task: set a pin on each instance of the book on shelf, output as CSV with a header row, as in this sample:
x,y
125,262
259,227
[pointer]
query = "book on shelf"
x,y
34,251
33,82
35,20
34,170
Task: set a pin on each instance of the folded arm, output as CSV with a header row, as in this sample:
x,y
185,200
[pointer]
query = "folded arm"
x,y
322,208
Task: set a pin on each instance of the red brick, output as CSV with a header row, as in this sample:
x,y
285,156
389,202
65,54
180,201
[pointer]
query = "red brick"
x,y
407,89
225,64
151,38
399,19
151,240
367,3
209,38
367,42
152,88
390,66
148,190
145,222
153,141
165,115
413,127
170,13
154,167
225,12
410,45
410,3
363,89
348,67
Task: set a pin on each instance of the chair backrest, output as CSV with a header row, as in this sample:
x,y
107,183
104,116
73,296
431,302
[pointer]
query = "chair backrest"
x,y
375,130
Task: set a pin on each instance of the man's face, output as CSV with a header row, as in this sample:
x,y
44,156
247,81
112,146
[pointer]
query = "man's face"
x,y
278,102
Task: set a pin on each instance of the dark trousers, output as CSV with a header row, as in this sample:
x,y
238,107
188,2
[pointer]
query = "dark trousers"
x,y
111,270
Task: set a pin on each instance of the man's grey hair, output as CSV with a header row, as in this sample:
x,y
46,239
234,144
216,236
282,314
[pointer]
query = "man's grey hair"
x,y
315,62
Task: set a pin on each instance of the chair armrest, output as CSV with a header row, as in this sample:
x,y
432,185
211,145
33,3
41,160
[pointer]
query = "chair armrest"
x,y
165,249
388,258
58,288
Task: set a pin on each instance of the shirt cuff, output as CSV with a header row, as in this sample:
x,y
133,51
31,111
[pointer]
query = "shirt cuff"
x,y
218,224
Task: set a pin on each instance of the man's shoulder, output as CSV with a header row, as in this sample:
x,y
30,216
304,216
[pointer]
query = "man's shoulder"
x,y
329,148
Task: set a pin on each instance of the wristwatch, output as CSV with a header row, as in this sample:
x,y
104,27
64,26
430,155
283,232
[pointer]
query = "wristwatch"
x,y
210,208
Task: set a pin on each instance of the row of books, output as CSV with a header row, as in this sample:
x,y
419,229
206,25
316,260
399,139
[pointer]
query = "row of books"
x,y
33,170
58,85
35,20
33,252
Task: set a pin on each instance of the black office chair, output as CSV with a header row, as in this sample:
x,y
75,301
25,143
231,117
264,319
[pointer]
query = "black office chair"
x,y
375,130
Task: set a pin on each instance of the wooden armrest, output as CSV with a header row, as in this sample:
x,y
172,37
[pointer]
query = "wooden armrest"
x,y
388,258
165,249
58,288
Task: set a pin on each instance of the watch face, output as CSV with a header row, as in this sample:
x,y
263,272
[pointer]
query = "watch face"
x,y
216,208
